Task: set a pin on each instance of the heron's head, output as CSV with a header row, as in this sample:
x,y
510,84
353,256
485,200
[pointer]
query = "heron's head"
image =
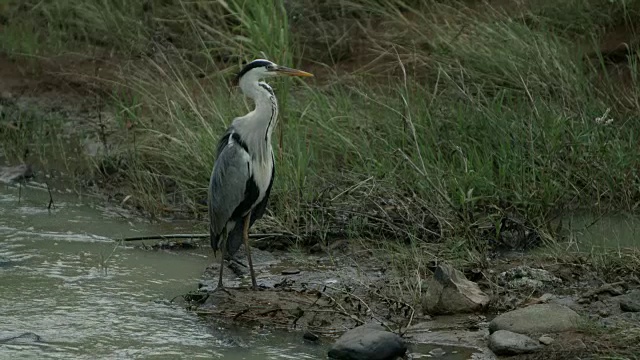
x,y
260,69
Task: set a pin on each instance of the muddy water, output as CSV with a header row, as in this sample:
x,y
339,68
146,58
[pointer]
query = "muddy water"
x,y
63,279
609,232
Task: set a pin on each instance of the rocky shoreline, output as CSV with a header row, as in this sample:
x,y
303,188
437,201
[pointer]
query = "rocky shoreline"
x,y
515,310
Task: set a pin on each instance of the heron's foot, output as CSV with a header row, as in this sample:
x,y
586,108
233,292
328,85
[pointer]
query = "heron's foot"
x,y
220,287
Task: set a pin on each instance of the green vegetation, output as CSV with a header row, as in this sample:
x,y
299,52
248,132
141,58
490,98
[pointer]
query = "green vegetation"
x,y
427,120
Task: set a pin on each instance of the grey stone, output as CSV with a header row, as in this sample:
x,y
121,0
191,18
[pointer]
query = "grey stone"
x,y
449,292
527,277
437,352
546,340
368,342
440,335
308,335
568,301
539,318
290,271
23,338
629,305
503,342
630,302
484,354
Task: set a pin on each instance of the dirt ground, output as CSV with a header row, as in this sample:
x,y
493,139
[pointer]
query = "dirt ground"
x,y
345,286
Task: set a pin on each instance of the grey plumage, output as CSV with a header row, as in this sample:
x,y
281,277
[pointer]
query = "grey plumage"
x,y
244,170
231,168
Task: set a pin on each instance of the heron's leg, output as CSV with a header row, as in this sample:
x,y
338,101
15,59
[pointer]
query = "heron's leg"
x,y
245,237
223,246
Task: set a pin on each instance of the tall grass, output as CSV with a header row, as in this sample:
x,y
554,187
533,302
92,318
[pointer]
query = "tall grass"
x,y
447,119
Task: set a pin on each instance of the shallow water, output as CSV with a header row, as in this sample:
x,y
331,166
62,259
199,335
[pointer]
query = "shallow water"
x,y
610,231
63,278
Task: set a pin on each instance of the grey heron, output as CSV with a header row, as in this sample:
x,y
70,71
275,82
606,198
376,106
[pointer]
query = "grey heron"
x,y
244,168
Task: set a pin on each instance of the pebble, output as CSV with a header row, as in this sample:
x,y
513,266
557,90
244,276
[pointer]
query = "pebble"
x,y
308,335
546,340
290,272
503,342
437,352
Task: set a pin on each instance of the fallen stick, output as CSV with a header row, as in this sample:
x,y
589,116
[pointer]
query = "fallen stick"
x,y
192,236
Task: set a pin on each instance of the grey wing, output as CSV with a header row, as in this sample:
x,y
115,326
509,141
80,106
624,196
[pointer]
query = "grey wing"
x,y
226,188
260,209
235,236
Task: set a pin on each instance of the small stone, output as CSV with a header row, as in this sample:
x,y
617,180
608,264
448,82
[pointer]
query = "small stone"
x,y
527,277
503,342
545,340
539,318
24,338
437,352
290,272
449,292
628,305
308,335
630,302
568,301
368,342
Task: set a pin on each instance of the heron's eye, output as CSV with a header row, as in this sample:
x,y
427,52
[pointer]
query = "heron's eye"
x,y
271,67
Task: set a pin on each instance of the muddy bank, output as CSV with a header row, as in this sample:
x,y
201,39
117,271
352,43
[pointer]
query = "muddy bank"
x,y
319,295
331,293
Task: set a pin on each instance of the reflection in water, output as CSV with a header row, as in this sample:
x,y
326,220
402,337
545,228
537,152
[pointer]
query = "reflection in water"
x,y
64,279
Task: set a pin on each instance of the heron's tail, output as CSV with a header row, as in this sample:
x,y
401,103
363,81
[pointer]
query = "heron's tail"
x,y
215,241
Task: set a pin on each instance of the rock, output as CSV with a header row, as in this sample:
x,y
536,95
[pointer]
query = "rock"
x,y
484,354
308,335
290,272
629,305
24,338
11,174
449,292
437,352
630,302
527,277
539,318
568,301
440,333
503,342
368,342
545,340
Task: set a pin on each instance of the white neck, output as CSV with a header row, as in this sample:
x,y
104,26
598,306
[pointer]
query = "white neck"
x,y
257,126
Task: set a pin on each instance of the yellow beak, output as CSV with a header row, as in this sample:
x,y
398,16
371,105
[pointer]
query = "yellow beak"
x,y
292,72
